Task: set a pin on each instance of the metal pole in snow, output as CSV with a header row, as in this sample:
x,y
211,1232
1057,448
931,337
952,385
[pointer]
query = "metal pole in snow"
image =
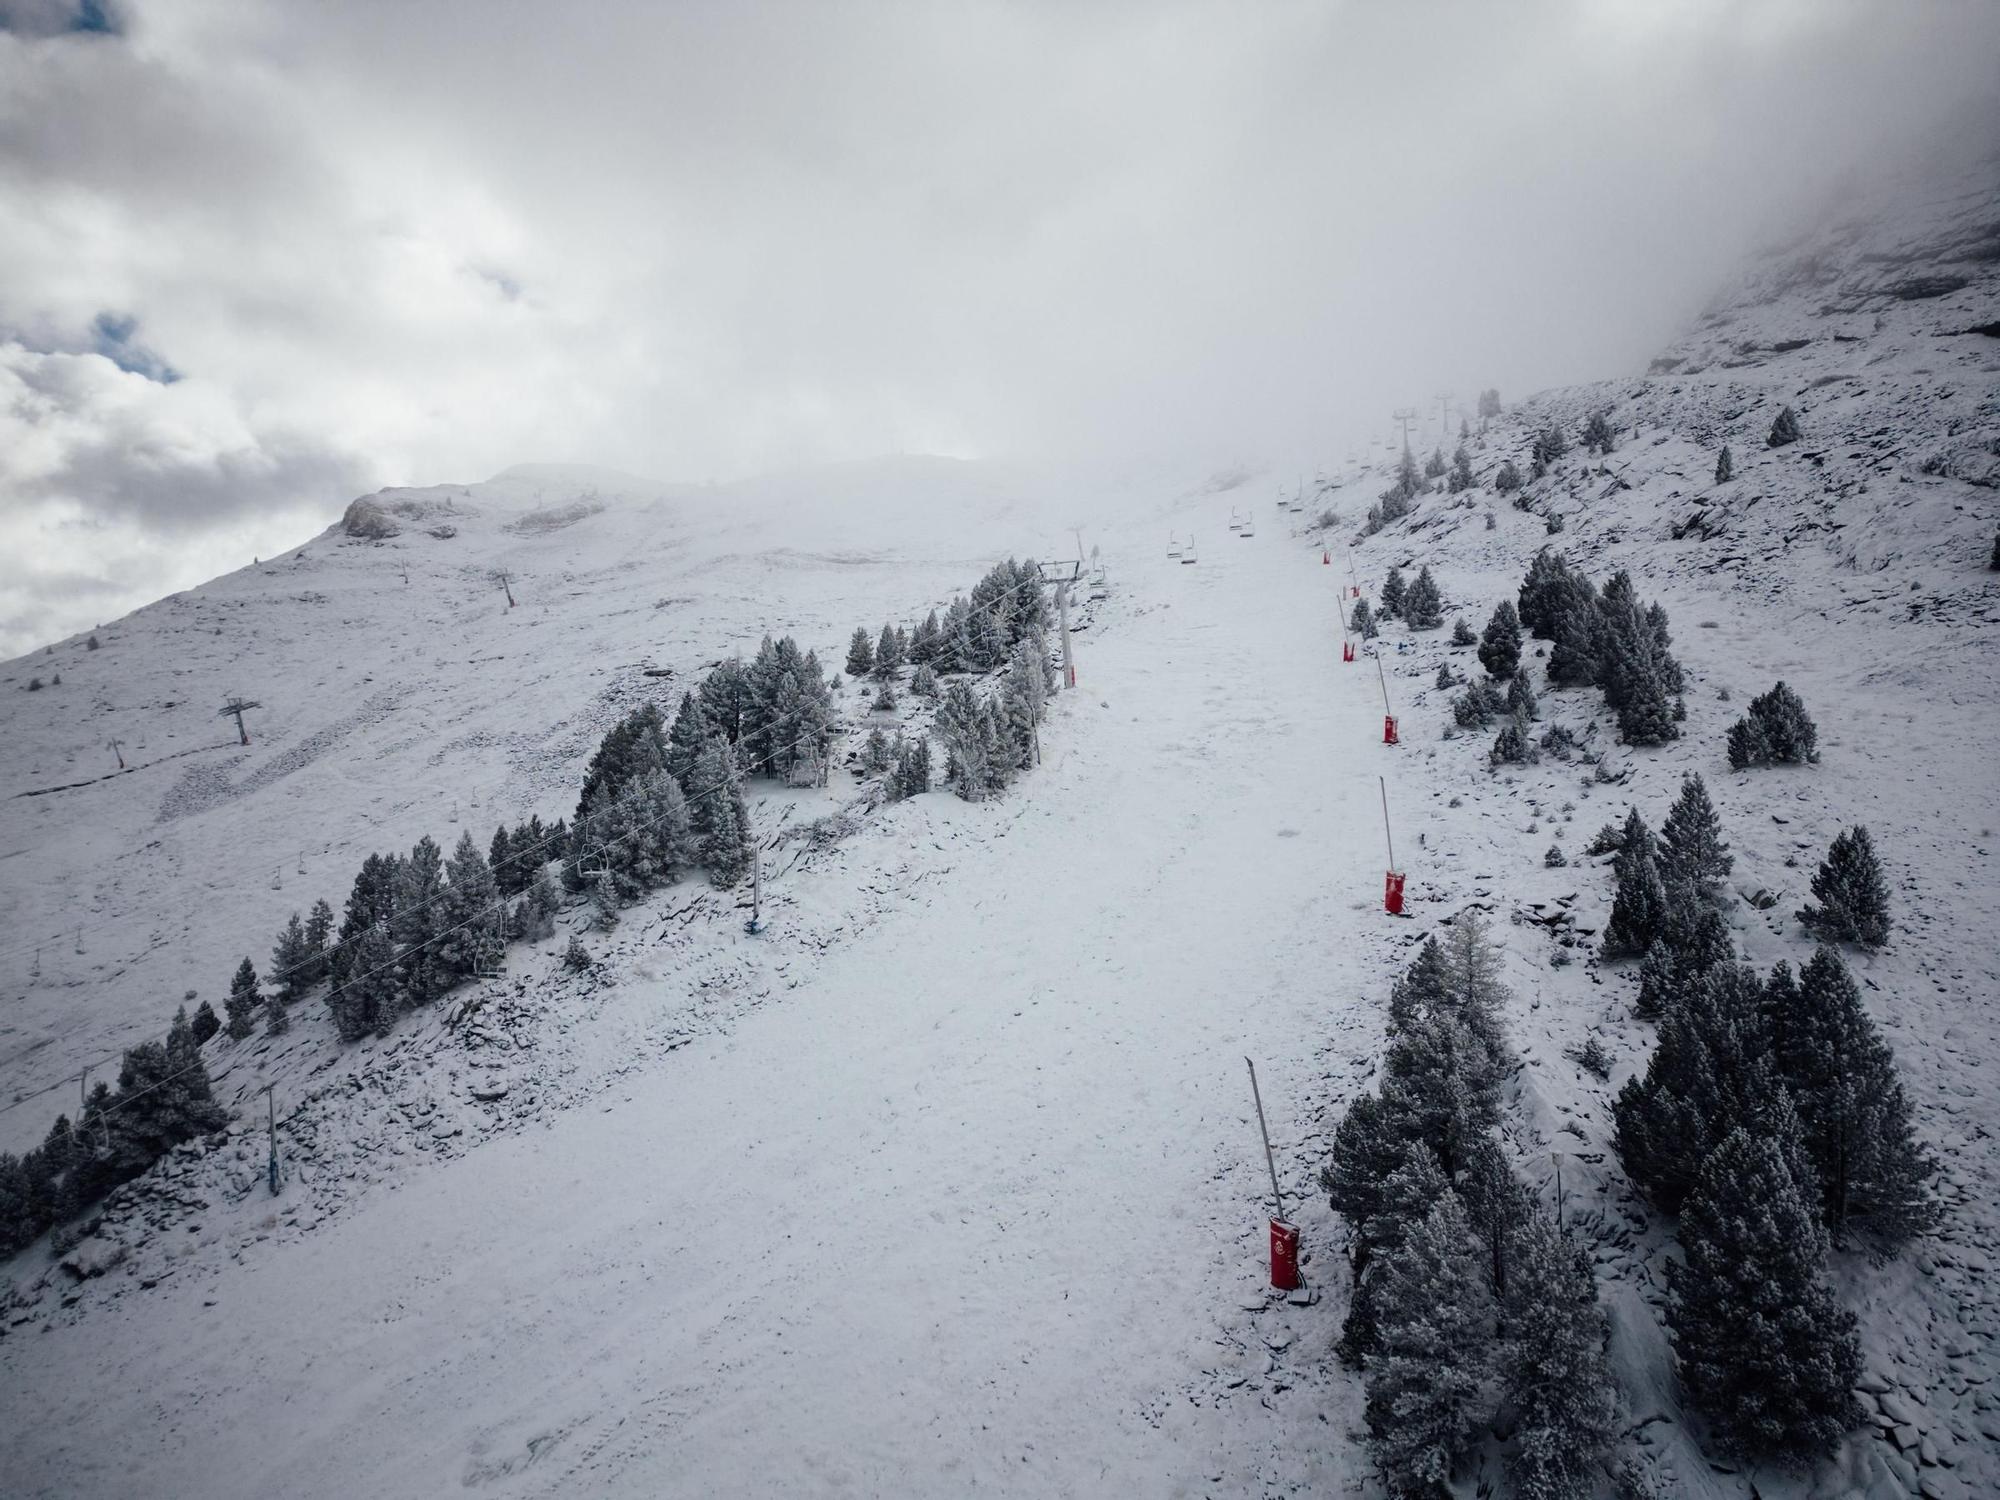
x,y
271,1102
1069,652
1382,678
1387,837
1269,1160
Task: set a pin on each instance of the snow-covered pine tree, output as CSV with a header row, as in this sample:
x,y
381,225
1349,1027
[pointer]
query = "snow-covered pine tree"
x,y
888,653
277,1017
1633,677
291,961
1853,898
1777,728
1690,940
691,731
1521,701
1507,479
1709,1075
860,654
1405,1195
875,752
1552,1364
924,640
1765,1349
1854,1117
1405,489
1500,646
1461,633
1639,904
1423,605
164,1098
1785,430
1445,678
319,931
205,1023
1576,631
1691,844
244,999
1725,465
912,773
1392,594
473,912
1542,593
1434,465
533,918
419,922
1597,434
725,695
1428,1388
923,681
1461,471
720,821
365,999
1363,621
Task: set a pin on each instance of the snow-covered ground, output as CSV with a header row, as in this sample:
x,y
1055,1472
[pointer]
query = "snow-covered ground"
x,y
950,1180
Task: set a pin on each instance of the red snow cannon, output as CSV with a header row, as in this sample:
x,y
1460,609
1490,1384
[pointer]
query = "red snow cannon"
x,y
1284,1256
1389,730
1347,651
1392,893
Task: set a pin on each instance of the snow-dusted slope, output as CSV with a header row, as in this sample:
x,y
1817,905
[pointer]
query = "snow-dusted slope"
x,y
401,696
950,1180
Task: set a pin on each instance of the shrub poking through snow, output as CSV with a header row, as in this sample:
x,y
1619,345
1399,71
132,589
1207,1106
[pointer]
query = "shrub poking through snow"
x,y
1592,1058
1461,633
1785,430
1555,859
1853,898
1777,729
1445,678
1606,840
576,958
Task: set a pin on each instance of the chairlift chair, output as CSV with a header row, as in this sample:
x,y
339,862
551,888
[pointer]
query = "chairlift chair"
x,y
1188,555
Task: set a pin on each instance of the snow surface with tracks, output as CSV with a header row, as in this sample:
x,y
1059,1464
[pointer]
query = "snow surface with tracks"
x,y
949,1182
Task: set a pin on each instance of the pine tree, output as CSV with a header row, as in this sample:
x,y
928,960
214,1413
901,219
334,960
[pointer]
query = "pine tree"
x,y
720,822
1692,848
164,1098
291,961
1552,1364
1630,664
1434,465
1777,728
1853,1114
1597,434
1423,606
1405,489
1543,594
1461,633
1709,1074
860,654
1461,471
1853,898
243,1000
1690,940
277,1017
1427,1389
1363,621
1785,430
1764,1348
923,681
371,902
1576,627
1507,479
1639,905
1725,466
204,1025
888,653
473,913
912,776
319,930
1392,594
924,640
690,732
419,923
1500,646
1521,701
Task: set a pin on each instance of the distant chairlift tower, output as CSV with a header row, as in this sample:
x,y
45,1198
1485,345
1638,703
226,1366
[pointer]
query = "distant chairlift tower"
x,y
238,707
1062,575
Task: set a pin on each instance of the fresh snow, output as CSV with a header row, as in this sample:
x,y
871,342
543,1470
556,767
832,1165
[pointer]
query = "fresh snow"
x,y
950,1181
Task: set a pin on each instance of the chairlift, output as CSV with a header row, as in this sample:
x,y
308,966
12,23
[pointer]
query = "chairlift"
x,y
1235,521
1248,528
1173,545
1188,556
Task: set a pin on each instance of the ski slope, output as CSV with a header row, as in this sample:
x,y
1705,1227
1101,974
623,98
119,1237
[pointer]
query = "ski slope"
x,y
973,1207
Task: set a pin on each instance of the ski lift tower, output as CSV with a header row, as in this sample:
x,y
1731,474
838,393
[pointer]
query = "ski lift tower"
x,y
237,707
1062,575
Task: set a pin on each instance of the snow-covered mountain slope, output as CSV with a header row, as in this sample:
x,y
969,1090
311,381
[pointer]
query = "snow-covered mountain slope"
x,y
400,695
950,1180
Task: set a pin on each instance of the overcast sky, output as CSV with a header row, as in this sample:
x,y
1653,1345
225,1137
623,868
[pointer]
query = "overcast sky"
x,y
258,258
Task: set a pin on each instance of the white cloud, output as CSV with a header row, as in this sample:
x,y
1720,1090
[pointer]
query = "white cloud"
x,y
418,242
